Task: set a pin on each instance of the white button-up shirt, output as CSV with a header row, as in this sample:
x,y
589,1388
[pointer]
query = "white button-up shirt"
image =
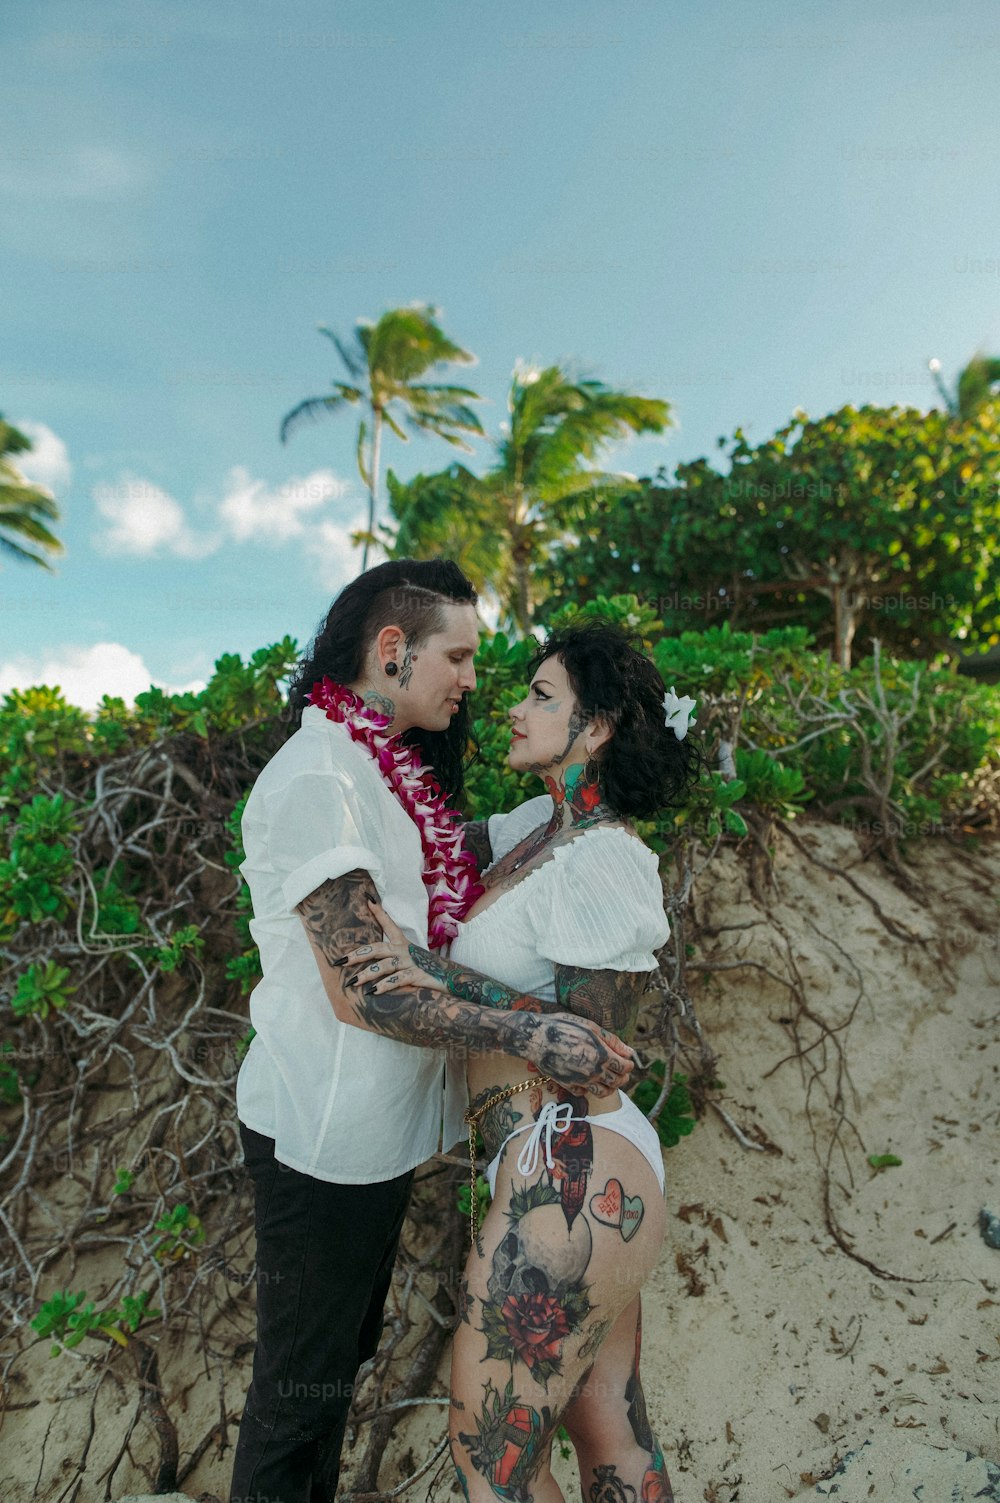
x,y
341,1104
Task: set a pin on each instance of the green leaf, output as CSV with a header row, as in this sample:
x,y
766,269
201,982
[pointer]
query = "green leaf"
x,y
524,1199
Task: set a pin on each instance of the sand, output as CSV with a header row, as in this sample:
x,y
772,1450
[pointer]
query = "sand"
x,y
770,1354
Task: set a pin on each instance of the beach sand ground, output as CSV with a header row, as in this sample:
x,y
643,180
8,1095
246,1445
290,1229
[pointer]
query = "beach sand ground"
x,y
769,1352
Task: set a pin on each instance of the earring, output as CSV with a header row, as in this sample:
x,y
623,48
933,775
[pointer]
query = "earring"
x,y
591,771
392,669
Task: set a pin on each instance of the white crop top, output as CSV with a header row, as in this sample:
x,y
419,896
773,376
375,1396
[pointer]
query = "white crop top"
x,y
597,903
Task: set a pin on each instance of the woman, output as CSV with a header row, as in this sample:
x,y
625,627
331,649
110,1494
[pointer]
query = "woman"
x,y
550,1323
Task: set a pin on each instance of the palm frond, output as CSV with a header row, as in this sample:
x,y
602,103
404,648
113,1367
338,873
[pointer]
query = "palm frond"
x,y
976,383
16,495
25,555
406,342
316,407
392,423
449,393
24,508
354,359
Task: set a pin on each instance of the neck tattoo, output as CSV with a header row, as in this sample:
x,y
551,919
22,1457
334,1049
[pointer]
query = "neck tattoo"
x,y
380,702
577,797
577,806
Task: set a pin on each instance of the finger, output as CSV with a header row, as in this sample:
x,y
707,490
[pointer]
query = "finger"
x,y
378,912
395,983
390,983
359,953
367,954
390,961
371,973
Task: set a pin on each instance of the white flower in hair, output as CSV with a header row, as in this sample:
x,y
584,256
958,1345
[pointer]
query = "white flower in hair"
x,y
677,714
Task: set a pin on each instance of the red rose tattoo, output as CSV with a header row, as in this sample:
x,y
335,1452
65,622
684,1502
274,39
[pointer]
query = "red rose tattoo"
x,y
537,1325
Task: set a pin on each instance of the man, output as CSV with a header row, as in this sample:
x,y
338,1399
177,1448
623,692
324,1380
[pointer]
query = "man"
x,y
339,1104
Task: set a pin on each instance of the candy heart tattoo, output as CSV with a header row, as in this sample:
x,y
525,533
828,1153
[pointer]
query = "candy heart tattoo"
x,y
612,1207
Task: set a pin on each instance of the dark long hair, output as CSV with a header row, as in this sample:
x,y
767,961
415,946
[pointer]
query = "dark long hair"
x,y
408,593
643,768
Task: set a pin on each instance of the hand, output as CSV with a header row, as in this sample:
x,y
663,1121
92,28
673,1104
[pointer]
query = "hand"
x,y
387,966
576,1052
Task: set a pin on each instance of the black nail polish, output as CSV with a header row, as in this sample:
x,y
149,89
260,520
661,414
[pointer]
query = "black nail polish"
x,y
368,988
341,961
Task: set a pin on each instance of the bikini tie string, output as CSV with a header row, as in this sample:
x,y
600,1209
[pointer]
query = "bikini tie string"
x,y
473,1116
553,1118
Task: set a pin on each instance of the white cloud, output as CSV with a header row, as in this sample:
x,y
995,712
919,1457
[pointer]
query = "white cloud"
x,y
84,674
145,520
47,464
337,560
80,173
318,511
251,509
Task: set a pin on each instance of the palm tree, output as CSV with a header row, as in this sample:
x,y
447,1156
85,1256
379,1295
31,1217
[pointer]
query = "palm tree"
x,y
541,484
450,515
384,362
977,384
24,508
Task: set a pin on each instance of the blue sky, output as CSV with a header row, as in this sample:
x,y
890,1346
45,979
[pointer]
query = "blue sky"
x,y
739,209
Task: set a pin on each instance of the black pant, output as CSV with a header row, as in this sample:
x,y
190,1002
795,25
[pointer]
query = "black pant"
x,y
324,1263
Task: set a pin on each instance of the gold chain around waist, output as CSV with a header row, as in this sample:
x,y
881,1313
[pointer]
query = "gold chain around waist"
x,y
472,1118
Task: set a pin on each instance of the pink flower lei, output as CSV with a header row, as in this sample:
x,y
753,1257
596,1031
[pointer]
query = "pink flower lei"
x,y
450,873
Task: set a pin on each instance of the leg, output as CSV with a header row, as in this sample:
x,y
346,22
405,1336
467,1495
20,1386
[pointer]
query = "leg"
x,y
620,1460
555,1272
324,1259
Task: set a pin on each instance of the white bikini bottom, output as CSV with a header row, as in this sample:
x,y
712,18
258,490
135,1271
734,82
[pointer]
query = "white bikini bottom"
x,y
627,1121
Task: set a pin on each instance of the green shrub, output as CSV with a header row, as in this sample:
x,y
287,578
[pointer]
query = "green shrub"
x,y
40,989
675,1119
69,1318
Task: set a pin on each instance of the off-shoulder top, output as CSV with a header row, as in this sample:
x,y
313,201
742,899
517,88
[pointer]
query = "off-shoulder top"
x,y
597,902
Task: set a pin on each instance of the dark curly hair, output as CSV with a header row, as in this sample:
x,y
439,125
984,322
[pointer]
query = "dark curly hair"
x,y
643,768
408,593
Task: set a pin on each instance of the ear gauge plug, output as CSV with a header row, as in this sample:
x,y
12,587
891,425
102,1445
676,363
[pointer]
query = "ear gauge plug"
x,y
391,669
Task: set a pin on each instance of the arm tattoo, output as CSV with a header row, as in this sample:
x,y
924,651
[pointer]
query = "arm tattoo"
x,y
337,920
610,998
477,840
560,1046
473,986
336,916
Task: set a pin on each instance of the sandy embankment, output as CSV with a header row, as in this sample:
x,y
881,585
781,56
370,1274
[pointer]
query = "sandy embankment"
x,y
769,1353
774,1353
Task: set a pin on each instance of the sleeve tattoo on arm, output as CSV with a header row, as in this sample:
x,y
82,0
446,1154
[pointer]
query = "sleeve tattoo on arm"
x,y
336,916
337,921
610,998
473,986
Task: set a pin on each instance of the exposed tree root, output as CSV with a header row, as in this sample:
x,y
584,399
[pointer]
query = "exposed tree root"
x,y
138,1073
